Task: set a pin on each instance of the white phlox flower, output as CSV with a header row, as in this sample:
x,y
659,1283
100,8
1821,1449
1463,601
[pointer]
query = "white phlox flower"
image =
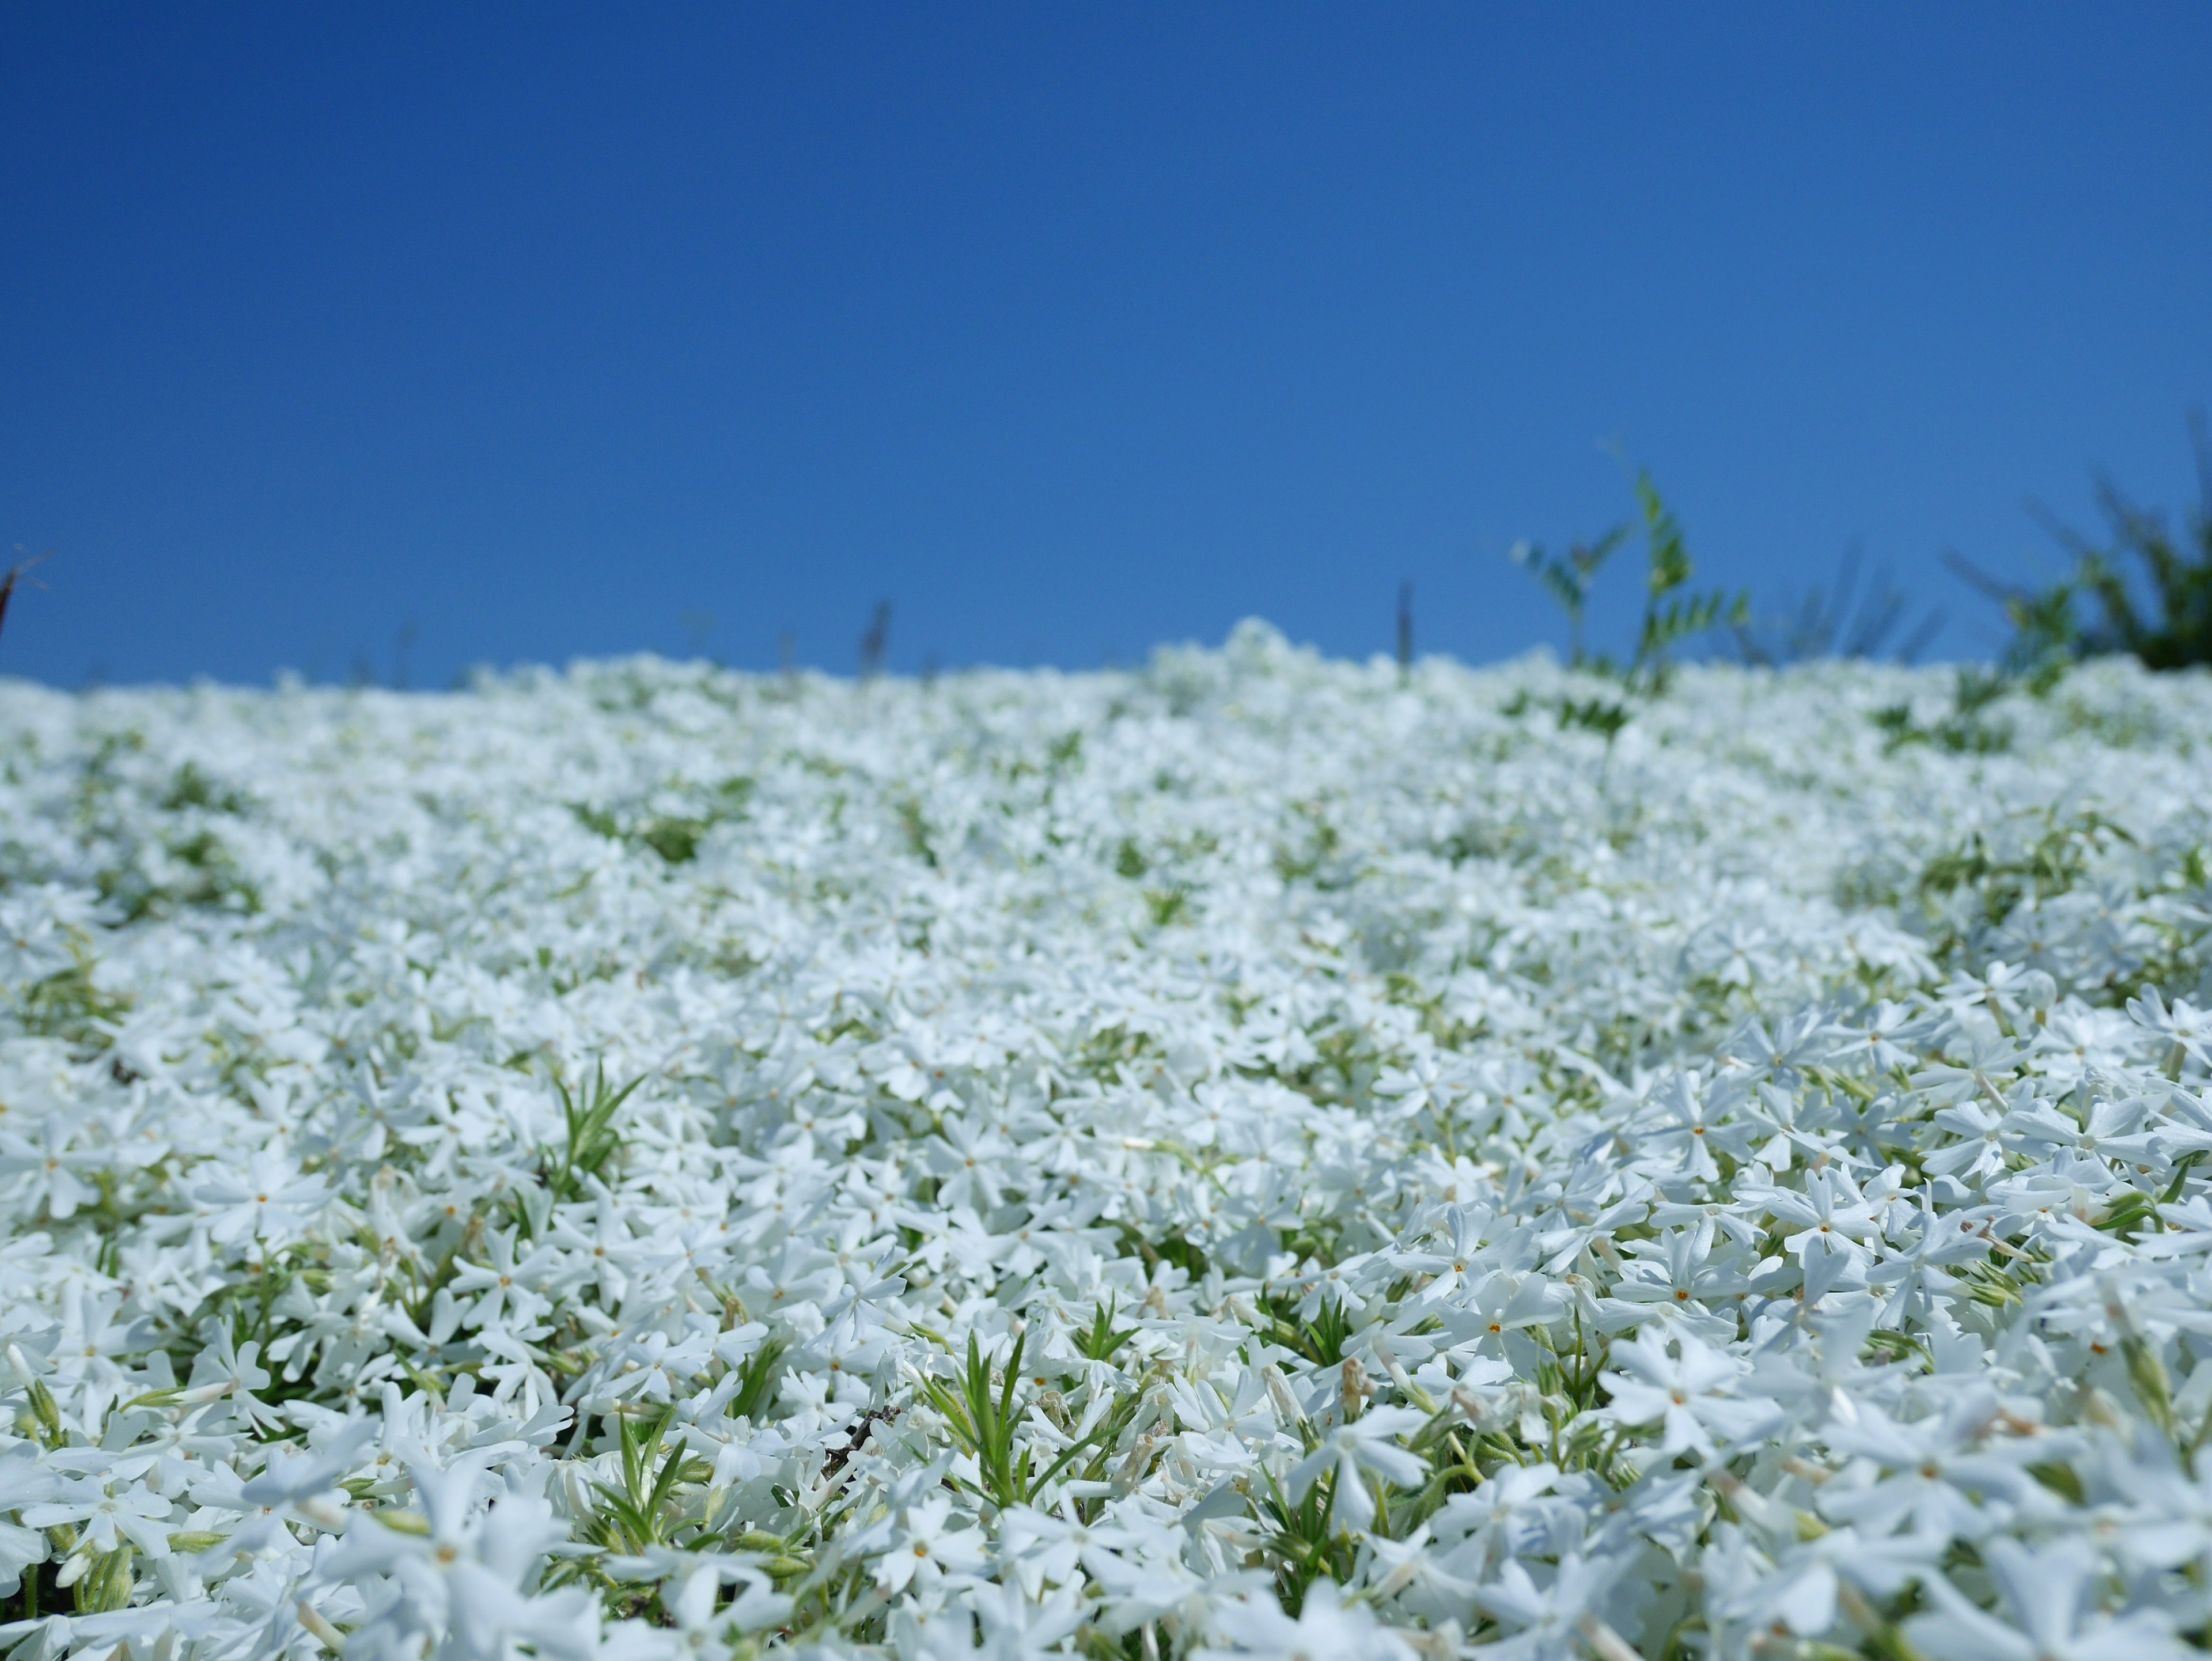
x,y
1352,1452
1688,1388
462,1582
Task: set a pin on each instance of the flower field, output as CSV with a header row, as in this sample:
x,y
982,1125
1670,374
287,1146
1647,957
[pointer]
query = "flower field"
x,y
1253,1156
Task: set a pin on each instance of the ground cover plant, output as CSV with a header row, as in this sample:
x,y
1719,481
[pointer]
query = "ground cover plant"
x,y
1253,1157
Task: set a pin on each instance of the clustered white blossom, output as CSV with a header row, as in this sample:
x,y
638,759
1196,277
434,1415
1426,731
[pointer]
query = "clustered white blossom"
x,y
1257,1157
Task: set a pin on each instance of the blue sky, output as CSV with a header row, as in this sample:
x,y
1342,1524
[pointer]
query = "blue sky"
x,y
530,333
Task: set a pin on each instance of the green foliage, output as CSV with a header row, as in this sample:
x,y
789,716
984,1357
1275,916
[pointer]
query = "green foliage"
x,y
1318,847
2050,866
1599,716
1672,614
915,829
1167,905
592,1141
757,1379
193,788
1173,1247
676,840
1100,1343
1300,1543
106,1585
70,1004
674,837
983,1422
1967,730
1570,577
2146,590
1321,1339
2046,634
642,1512
200,873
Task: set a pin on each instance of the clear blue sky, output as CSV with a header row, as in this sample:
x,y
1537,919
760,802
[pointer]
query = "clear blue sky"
x,y
1069,331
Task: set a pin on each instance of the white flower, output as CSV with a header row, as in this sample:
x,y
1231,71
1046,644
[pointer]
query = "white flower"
x,y
923,1547
1325,1630
1368,1443
2049,1598
703,1625
2181,1025
105,1519
1672,1379
510,1289
1681,1126
268,1201
463,1582
1015,1628
1551,1621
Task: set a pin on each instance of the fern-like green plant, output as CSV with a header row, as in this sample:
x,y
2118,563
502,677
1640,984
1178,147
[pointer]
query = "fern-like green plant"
x,y
1570,577
1671,614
